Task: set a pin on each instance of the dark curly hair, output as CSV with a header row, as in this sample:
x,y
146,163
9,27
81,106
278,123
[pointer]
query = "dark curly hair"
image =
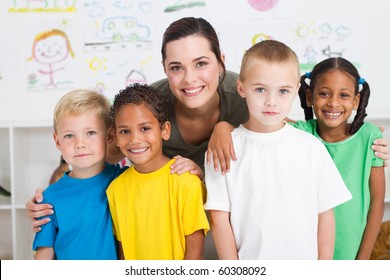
x,y
343,65
141,94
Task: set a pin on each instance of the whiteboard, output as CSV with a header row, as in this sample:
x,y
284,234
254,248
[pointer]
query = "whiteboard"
x,y
106,60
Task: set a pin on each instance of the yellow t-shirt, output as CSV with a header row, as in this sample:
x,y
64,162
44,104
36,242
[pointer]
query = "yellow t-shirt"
x,y
152,213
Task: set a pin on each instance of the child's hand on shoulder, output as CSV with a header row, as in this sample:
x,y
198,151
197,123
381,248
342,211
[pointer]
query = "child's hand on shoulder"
x,y
182,165
380,148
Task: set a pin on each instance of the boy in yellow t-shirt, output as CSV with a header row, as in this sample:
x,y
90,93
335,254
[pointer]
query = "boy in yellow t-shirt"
x,y
156,214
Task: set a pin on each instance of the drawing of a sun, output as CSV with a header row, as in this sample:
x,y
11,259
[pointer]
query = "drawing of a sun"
x,y
304,31
96,64
260,37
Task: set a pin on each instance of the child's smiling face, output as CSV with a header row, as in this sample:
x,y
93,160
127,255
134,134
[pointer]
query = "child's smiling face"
x,y
139,136
333,100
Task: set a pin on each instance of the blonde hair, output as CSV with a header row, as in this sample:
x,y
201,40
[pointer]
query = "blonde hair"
x,y
269,51
81,101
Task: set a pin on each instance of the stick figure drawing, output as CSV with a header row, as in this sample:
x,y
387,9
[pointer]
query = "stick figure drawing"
x,y
50,48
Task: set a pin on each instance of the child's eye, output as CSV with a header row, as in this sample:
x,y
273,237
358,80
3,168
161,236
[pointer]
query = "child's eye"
x,y
144,129
284,91
68,136
260,89
91,132
345,95
323,94
123,131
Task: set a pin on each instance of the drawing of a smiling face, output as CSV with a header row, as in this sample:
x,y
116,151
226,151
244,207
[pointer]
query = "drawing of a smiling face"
x,y
51,49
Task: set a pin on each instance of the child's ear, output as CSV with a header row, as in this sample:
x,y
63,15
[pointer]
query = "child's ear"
x,y
166,130
57,141
116,139
356,102
240,88
309,98
111,134
112,137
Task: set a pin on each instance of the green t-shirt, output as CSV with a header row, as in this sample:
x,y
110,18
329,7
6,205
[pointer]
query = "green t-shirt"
x,y
354,159
233,110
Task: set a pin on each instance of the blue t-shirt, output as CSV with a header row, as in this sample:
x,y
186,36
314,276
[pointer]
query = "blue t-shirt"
x,y
81,226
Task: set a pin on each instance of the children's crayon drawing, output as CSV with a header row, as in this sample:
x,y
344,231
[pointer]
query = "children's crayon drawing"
x,y
317,40
263,5
183,5
172,10
42,6
113,25
50,62
252,32
109,72
257,9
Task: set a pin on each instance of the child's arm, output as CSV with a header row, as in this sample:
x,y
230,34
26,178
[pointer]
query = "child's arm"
x,y
381,150
36,210
45,253
220,147
375,213
194,245
182,165
223,235
326,235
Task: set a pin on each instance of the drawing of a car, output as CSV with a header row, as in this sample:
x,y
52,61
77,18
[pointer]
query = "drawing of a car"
x,y
123,29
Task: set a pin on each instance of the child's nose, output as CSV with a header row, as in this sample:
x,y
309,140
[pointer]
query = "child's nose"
x,y
332,102
79,143
270,100
134,137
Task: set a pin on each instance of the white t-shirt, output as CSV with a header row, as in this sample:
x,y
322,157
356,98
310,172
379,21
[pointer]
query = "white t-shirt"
x,y
274,192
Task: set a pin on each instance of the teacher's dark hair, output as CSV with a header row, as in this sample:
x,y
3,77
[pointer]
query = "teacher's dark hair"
x,y
189,26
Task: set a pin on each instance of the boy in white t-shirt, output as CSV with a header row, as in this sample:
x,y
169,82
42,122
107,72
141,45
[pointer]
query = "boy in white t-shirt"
x,y
277,201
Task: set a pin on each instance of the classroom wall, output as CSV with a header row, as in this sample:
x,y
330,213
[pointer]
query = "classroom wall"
x,y
106,57
358,30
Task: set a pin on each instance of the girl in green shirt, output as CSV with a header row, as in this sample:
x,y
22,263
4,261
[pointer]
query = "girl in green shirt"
x,y
334,92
